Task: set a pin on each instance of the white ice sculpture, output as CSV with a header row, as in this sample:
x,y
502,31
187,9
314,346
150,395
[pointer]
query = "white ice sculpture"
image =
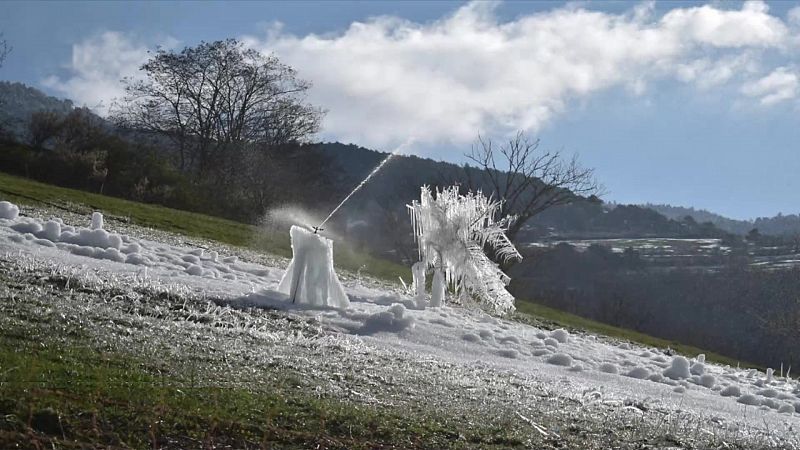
x,y
452,231
97,220
418,272
310,278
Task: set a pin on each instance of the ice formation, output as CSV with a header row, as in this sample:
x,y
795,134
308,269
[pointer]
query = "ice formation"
x,y
438,288
679,369
8,210
452,231
97,220
418,272
310,278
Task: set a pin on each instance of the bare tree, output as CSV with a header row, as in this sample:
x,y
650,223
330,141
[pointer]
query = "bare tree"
x,y
43,127
217,98
528,179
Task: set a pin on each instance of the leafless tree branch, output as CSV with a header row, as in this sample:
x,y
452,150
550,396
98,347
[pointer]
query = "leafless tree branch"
x,y
528,179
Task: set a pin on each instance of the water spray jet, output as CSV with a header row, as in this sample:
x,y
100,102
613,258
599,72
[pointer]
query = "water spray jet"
x,y
357,188
311,278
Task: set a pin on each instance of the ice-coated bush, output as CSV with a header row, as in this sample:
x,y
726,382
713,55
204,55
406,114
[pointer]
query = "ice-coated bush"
x,y
452,230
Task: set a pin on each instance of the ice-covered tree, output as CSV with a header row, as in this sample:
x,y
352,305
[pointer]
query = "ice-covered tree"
x,y
452,230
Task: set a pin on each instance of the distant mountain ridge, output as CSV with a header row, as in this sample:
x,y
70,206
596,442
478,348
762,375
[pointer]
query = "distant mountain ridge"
x,y
776,225
18,102
384,198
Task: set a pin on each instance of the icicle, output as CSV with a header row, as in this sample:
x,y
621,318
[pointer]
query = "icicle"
x,y
418,271
437,289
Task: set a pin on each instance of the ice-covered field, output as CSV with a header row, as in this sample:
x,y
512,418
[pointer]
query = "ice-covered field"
x,y
581,370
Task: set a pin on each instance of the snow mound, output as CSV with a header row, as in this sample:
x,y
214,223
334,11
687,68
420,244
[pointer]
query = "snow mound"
x,y
27,227
560,335
394,320
770,393
471,337
749,399
551,342
508,353
51,231
698,368
731,391
560,359
310,278
8,210
679,369
608,368
707,380
639,373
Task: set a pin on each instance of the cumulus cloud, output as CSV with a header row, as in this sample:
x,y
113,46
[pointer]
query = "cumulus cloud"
x,y
386,78
750,26
780,85
793,16
97,66
470,72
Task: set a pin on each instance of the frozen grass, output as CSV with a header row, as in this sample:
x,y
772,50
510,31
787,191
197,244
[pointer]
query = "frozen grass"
x,y
528,311
64,395
26,192
102,359
66,382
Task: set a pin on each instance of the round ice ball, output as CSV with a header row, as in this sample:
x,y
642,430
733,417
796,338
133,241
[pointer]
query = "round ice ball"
x,y
679,369
560,359
8,210
560,335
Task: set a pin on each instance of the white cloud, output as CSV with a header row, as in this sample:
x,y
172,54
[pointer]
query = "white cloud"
x,y
750,26
707,73
793,16
385,79
780,85
98,64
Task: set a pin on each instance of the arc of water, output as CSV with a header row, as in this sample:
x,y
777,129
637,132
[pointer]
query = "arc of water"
x,y
363,182
357,188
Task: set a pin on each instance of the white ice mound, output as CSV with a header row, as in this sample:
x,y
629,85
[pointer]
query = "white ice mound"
x,y
8,210
97,220
679,369
310,278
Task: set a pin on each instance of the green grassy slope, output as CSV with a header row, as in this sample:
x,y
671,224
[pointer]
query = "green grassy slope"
x,y
28,192
62,393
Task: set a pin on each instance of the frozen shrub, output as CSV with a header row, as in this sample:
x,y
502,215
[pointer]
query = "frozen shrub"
x,y
452,231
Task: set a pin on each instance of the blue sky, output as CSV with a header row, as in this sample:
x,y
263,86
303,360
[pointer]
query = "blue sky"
x,y
685,103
